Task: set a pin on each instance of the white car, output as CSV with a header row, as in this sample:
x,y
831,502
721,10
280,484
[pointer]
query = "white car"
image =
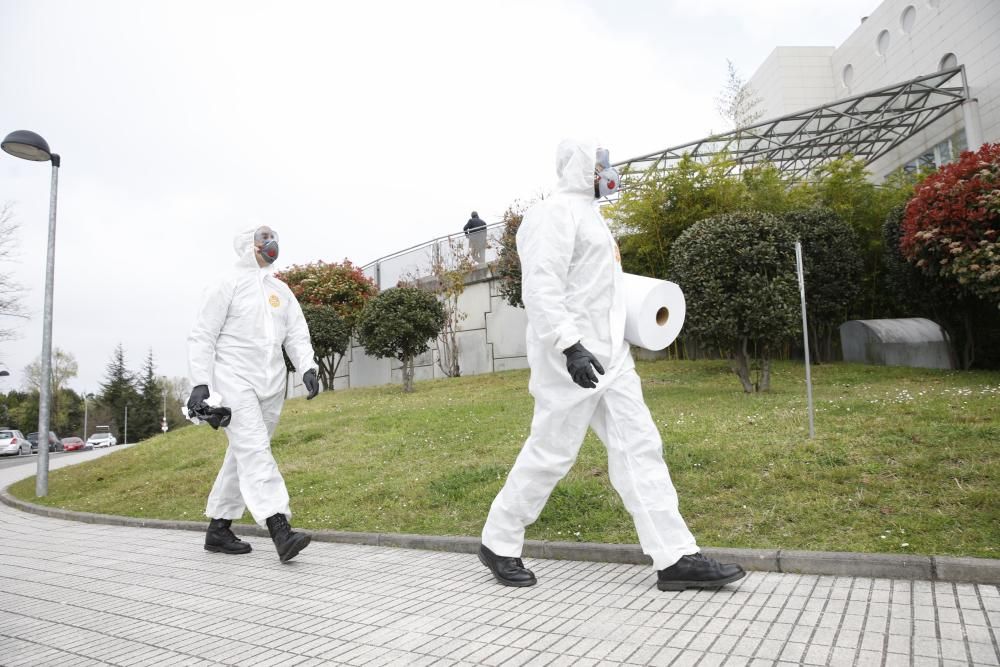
x,y
13,443
99,440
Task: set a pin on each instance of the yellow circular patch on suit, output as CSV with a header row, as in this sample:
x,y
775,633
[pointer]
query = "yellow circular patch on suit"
x,y
273,300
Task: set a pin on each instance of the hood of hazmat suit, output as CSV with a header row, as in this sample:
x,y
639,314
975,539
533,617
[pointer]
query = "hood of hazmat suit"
x,y
571,280
242,323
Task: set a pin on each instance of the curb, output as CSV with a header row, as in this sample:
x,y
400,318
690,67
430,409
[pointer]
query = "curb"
x,y
830,563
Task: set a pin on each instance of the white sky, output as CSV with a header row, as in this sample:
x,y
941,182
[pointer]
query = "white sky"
x,y
354,129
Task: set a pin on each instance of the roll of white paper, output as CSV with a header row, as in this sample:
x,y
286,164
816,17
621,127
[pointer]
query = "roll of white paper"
x,y
655,311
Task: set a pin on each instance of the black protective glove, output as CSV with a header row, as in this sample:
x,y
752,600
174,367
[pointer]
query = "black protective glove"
x,y
578,362
198,396
311,382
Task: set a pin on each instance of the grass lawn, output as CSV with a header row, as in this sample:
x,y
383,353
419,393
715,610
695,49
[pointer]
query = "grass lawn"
x,y
904,461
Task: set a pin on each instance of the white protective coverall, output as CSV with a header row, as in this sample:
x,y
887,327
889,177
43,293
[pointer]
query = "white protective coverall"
x,y
571,279
235,349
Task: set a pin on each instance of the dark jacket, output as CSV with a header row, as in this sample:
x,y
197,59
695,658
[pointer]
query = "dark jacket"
x,y
475,224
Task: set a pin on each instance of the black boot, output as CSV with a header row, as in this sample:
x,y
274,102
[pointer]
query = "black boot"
x,y
697,571
221,539
508,571
286,541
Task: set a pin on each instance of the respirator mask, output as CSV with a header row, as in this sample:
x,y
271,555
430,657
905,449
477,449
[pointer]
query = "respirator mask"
x,y
607,179
265,241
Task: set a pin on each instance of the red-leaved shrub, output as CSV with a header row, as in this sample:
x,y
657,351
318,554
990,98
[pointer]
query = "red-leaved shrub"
x,y
952,224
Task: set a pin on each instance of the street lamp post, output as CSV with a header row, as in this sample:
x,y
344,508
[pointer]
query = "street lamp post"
x,y
86,398
29,146
163,388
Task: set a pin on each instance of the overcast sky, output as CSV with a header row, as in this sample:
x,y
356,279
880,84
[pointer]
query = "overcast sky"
x,y
354,129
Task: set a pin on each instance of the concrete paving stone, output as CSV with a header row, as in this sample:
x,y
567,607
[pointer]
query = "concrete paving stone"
x,y
926,647
816,655
898,644
872,641
643,654
979,634
711,660
925,629
746,646
542,659
984,654
780,631
737,661
687,659
665,656
948,615
848,638
680,639
502,656
868,658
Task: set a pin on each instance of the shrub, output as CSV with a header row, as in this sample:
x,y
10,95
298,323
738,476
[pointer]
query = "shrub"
x,y
508,267
833,267
951,224
737,271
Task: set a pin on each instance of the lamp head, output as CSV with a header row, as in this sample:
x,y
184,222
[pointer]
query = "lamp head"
x,y
27,145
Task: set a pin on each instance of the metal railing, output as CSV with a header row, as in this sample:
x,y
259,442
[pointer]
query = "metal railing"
x,y
417,261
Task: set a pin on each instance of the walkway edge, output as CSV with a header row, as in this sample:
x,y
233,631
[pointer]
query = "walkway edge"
x,y
832,563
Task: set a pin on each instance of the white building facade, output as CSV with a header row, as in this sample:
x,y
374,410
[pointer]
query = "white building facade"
x,y
901,40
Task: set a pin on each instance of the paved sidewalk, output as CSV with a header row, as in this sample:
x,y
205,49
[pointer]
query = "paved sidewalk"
x,y
83,594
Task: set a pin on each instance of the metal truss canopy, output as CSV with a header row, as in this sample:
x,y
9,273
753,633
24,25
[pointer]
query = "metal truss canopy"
x,y
867,126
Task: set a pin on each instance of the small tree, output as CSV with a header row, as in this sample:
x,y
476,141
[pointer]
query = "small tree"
x,y
508,266
145,417
63,368
647,219
342,287
331,336
832,264
737,102
400,323
951,228
738,275
450,270
117,390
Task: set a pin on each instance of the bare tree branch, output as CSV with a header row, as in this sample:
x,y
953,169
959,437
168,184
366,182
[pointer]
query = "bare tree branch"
x,y
738,103
10,291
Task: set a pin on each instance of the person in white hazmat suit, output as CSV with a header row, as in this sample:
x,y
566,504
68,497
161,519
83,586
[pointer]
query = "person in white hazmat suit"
x,y
234,354
571,284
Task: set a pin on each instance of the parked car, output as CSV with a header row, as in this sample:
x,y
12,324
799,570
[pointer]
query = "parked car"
x,y
13,442
55,444
74,444
98,440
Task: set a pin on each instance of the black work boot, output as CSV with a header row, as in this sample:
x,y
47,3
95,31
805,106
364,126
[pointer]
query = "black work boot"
x,y
221,539
286,541
508,571
697,571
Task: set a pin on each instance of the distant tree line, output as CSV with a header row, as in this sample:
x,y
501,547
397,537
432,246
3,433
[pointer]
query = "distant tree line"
x,y
145,394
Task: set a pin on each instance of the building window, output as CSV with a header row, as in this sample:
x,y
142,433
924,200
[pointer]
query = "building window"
x,y
847,75
882,43
941,154
907,19
948,61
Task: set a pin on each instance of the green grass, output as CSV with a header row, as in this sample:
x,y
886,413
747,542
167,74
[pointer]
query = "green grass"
x,y
904,461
